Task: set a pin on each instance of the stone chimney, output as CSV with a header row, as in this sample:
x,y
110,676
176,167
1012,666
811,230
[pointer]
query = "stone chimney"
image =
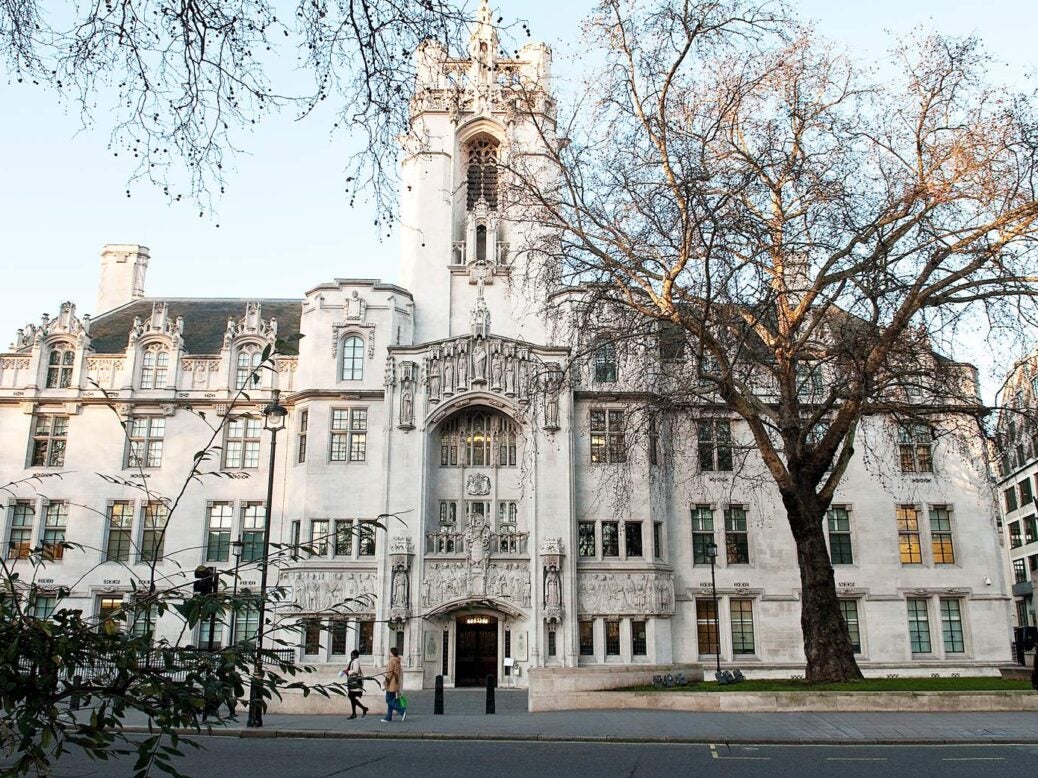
x,y
122,275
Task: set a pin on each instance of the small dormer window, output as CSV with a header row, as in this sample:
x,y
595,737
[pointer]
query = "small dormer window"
x,y
154,368
248,360
60,362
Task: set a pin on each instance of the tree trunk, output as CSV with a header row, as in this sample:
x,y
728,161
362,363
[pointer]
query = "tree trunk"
x,y
827,643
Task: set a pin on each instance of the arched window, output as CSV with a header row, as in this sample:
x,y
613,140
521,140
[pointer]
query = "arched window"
x,y
155,367
605,363
481,243
352,359
478,439
481,172
248,360
60,362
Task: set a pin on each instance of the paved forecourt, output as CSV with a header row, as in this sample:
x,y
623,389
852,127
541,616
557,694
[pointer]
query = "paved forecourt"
x,y
465,719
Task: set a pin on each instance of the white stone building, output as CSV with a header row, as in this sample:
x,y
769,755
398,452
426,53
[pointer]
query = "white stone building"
x,y
439,406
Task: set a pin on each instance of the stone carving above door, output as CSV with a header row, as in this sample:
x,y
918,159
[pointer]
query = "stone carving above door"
x,y
477,484
448,581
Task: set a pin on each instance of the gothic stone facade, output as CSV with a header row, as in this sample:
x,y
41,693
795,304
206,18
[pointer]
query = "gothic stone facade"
x,y
522,523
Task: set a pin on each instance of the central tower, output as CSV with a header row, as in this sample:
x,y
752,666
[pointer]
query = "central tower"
x,y
462,250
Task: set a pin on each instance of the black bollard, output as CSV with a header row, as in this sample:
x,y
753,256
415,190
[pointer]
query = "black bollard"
x,y
438,697
77,681
491,683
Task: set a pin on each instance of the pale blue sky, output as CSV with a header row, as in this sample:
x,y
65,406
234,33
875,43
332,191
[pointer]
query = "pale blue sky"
x,y
285,224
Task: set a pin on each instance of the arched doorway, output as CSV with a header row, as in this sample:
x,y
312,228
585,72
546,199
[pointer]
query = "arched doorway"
x,y
475,656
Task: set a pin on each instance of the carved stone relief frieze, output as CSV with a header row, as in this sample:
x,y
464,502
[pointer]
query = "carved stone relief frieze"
x,y
625,593
479,363
314,592
446,581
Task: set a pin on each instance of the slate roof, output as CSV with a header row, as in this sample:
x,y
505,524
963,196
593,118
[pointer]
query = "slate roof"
x,y
205,321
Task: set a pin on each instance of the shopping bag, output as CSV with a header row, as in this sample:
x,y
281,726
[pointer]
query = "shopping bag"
x,y
401,700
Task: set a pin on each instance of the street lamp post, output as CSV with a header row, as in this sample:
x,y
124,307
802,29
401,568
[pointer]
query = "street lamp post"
x,y
711,552
274,421
236,547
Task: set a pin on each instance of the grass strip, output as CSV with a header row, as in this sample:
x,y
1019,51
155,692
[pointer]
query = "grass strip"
x,y
966,684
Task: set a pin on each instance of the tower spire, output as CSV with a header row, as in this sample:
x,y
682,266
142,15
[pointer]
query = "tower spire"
x,y
483,43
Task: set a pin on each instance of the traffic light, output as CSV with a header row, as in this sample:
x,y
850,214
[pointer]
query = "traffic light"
x,y
206,580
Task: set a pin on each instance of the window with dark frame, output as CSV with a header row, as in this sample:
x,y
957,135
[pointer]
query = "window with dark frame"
x,y
349,434
120,527
915,443
849,611
657,539
586,545
19,541
605,363
918,627
1026,495
742,626
706,627
607,436
352,364
587,637
339,637
610,539
145,443
108,612
632,539
344,538
951,626
55,520
304,421
1010,498
612,638
154,368
319,537
366,637
253,523
60,362
941,535
840,547
153,535
248,361
49,436
736,538
1015,539
702,533
311,637
909,544
639,642
715,445
1019,571
219,521
242,444
366,539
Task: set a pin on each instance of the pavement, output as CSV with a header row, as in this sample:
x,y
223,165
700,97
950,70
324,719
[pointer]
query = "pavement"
x,y
465,719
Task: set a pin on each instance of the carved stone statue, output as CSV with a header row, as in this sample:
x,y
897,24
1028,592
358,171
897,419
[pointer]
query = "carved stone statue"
x,y
407,405
552,588
479,361
399,599
463,369
434,378
498,370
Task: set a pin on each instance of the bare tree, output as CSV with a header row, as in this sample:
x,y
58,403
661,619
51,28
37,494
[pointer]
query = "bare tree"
x,y
810,235
181,82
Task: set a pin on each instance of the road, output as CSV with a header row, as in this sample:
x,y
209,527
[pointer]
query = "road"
x,y
316,758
